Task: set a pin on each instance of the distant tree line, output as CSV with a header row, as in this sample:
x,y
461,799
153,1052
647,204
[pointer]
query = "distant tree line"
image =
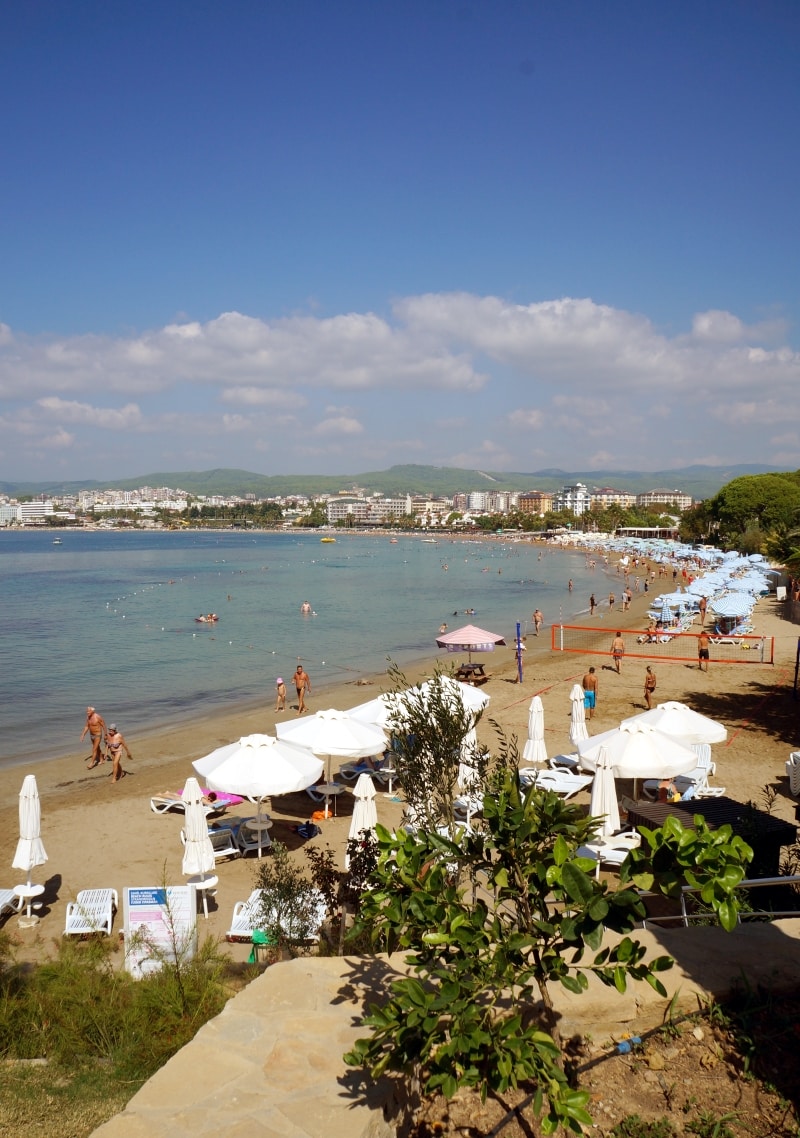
x,y
757,513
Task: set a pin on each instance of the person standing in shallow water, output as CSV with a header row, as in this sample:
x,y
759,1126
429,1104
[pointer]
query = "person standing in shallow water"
x,y
592,605
280,694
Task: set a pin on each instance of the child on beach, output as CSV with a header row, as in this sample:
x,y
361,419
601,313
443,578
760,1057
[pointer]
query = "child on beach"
x,y
280,694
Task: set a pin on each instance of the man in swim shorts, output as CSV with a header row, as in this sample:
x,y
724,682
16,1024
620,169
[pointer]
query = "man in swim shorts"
x,y
589,685
96,727
703,655
302,685
617,650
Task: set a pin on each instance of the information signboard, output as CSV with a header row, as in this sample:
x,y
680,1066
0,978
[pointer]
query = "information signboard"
x,y
160,926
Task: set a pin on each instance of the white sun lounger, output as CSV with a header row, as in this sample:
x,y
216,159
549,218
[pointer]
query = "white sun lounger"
x,y
164,803
611,850
93,912
247,918
560,781
10,902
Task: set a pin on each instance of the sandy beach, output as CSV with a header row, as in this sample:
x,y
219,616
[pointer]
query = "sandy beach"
x,y
101,834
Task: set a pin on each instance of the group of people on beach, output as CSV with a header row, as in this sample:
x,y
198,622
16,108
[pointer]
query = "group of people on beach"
x,y
302,684
108,743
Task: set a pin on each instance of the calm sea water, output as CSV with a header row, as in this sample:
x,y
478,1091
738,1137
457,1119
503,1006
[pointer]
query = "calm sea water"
x,y
107,618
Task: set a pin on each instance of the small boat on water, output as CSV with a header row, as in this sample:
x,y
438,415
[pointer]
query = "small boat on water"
x,y
430,541
328,540
392,541
57,541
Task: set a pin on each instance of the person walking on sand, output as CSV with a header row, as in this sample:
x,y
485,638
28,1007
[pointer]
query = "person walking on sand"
x,y
702,606
537,620
611,599
617,651
589,685
592,605
703,654
95,725
302,685
116,743
280,694
649,686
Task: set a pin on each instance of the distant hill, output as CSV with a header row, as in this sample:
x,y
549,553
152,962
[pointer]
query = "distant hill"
x,y
699,481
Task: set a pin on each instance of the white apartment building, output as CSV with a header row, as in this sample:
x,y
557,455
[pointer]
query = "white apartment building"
x,y
576,498
609,497
367,511
674,498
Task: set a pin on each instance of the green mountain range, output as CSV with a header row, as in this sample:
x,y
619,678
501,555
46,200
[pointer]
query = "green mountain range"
x,y
699,481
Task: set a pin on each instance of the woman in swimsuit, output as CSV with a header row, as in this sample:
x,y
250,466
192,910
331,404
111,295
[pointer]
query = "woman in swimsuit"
x,y
116,743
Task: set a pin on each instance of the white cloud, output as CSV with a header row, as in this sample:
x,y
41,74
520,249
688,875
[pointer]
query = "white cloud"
x,y
338,425
444,371
107,418
529,420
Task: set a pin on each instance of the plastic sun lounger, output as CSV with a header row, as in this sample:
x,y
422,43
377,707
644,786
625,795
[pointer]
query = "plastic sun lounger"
x,y
10,902
92,912
247,918
611,850
223,839
172,800
560,781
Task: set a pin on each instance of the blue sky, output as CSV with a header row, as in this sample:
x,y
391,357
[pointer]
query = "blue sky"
x,y
317,237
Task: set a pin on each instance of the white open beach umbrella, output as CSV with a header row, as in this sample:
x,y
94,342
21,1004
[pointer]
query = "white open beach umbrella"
x,y
334,734
681,722
385,709
30,850
603,802
637,750
198,854
534,750
577,726
259,766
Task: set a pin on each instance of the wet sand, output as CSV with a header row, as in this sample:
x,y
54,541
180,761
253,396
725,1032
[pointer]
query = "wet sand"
x,y
101,834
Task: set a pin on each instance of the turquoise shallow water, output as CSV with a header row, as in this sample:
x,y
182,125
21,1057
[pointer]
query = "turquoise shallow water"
x,y
107,618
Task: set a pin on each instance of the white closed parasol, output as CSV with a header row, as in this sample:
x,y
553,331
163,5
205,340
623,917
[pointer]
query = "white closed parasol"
x,y
30,850
603,803
534,750
577,726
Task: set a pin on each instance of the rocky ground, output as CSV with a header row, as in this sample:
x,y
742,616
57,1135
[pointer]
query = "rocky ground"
x,y
725,1073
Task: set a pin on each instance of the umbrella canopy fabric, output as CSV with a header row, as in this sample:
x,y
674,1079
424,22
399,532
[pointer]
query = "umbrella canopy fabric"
x,y
681,722
733,604
637,750
30,850
334,734
603,802
198,854
259,766
534,750
577,726
469,639
386,709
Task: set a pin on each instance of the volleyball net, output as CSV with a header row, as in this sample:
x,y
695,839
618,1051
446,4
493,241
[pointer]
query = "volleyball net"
x,y
663,645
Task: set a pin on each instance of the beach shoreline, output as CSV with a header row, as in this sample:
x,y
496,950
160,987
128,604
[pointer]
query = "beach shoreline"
x,y
99,834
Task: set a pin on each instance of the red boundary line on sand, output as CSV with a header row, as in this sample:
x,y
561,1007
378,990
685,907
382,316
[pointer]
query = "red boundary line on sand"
x,y
541,691
779,683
